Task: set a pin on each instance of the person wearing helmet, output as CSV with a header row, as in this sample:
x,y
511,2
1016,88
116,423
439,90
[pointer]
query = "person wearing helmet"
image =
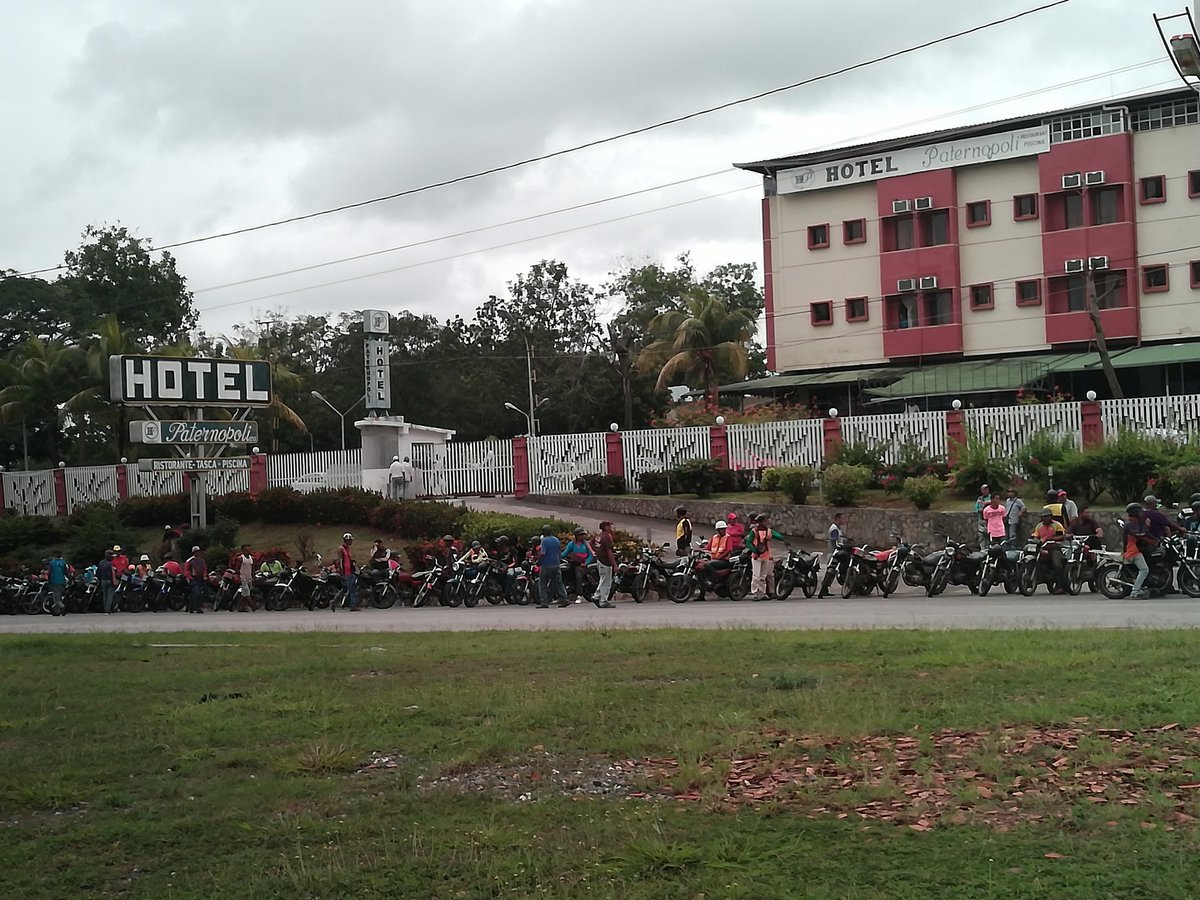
x,y
1191,521
1135,538
1051,564
1158,526
606,557
720,548
578,556
736,530
120,560
683,532
445,550
144,569
759,541
345,568
507,558
1070,509
1055,505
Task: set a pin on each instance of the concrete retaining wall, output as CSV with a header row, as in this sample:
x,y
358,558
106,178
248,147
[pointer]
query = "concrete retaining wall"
x,y
806,522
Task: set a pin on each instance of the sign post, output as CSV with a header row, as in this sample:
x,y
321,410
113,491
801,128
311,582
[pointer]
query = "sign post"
x,y
377,353
192,383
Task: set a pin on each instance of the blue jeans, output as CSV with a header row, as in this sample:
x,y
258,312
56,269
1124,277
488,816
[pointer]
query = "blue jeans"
x,y
108,593
351,582
551,583
1143,570
196,595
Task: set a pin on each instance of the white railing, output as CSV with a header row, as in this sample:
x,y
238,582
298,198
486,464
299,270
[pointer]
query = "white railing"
x,y
662,448
227,482
796,443
1175,418
556,460
314,471
889,433
153,484
91,484
1009,428
30,493
471,468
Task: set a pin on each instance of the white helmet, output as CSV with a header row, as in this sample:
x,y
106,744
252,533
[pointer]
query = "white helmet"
x,y
721,524
347,536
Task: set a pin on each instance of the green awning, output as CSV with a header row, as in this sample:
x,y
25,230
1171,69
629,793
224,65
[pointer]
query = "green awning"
x,y
973,377
1133,357
874,375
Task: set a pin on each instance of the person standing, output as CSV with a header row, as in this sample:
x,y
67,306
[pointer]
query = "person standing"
x,y
984,498
106,574
835,533
1069,507
345,568
196,572
395,480
550,581
994,520
1086,527
120,560
606,558
683,532
1133,529
245,565
1014,515
736,532
56,579
761,562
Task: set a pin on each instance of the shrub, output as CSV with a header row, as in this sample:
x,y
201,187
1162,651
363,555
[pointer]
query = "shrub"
x,y
913,460
600,484
859,453
923,490
222,533
1042,451
95,530
656,482
417,518
1080,472
842,485
1129,462
974,465
1185,481
170,509
487,526
696,476
21,532
239,505
350,505
795,481
281,505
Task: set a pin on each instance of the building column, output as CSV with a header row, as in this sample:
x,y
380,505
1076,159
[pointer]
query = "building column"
x,y
1091,424
718,442
521,466
614,453
956,434
258,474
60,490
122,481
832,435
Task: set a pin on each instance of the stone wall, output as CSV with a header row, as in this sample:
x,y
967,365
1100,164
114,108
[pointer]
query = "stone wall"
x,y
805,522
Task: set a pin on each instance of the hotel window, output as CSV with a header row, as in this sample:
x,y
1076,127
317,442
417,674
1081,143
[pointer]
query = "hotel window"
x,y
1107,205
979,213
821,312
1154,189
935,228
1194,268
898,232
1075,291
1025,206
1110,288
1073,209
981,296
818,236
856,309
938,308
1194,183
902,311
1029,293
1155,279
854,231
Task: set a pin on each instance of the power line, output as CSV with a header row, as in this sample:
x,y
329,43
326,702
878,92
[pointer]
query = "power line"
x,y
506,167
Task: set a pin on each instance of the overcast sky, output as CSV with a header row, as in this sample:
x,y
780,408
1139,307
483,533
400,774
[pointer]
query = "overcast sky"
x,y
190,117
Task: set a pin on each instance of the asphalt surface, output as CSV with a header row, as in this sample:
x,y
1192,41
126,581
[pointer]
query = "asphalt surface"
x,y
907,608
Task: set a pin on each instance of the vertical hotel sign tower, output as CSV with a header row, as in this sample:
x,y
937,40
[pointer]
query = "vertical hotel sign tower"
x,y
377,357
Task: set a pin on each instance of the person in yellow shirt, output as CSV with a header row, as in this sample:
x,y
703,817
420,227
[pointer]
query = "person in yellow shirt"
x,y
683,532
1049,533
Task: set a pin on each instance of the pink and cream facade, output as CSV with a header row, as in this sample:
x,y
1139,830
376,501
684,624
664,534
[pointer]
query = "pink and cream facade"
x,y
976,242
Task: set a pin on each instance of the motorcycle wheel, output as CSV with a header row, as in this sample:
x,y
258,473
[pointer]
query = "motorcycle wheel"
x,y
384,597
1074,585
784,585
890,583
278,600
679,587
1012,584
914,576
808,584
1108,580
176,601
637,590
1159,579
1189,581
495,599
986,581
937,583
1028,580
469,598
324,598
739,586
850,584
133,602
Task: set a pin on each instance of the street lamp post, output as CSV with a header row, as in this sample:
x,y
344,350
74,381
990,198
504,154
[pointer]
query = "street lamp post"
x,y
341,415
529,416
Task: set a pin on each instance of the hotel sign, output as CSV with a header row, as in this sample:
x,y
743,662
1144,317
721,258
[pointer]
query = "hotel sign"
x,y
196,464
188,381
911,160
151,431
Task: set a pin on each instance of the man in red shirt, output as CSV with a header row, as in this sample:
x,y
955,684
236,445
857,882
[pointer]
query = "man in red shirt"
x,y
606,557
735,530
345,568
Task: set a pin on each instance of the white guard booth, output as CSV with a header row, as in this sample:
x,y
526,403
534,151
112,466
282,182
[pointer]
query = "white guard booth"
x,y
385,437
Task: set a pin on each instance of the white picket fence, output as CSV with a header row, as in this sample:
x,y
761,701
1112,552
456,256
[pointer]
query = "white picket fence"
x,y
90,484
153,484
796,443
1174,418
556,460
661,448
471,468
315,471
1009,428
890,433
30,493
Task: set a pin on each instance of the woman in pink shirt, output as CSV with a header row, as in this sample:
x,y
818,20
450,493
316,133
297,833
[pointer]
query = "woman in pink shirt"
x,y
993,519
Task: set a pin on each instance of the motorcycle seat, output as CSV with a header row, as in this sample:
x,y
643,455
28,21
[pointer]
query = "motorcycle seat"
x,y
882,555
933,558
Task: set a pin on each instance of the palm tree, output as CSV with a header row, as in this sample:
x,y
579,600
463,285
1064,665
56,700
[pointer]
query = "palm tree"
x,y
284,383
704,340
33,382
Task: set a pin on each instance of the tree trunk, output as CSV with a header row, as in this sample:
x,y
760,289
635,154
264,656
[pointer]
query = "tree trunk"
x,y
1101,344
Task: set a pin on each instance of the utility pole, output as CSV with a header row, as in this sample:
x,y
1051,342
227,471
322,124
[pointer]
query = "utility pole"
x,y
1093,307
620,352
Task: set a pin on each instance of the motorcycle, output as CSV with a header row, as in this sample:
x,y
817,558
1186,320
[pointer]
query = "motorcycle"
x,y
387,587
1188,551
432,583
311,590
647,573
839,565
867,570
1115,576
799,569
468,588
1080,565
958,565
695,577
1002,564
581,580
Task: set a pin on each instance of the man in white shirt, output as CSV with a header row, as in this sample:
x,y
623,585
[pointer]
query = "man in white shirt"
x,y
1014,514
397,486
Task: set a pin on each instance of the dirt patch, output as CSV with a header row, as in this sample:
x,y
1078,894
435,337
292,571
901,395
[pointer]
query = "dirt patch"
x,y
541,775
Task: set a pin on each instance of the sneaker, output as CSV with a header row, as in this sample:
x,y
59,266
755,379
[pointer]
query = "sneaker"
x,y
353,609
606,605
1139,595
542,606
562,604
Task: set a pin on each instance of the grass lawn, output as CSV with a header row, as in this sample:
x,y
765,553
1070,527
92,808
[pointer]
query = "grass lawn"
x,y
665,764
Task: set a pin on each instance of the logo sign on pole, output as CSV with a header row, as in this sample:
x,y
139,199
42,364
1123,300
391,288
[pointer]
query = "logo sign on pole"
x,y
172,381
186,432
378,353
375,321
196,464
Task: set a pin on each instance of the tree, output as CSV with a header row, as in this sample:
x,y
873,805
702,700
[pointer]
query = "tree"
x,y
33,384
706,341
29,307
115,272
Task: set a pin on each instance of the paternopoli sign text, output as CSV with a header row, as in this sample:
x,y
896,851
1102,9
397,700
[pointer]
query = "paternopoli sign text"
x,y
178,432
909,160
170,381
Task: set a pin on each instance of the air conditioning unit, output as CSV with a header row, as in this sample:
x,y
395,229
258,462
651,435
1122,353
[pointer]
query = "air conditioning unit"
x,y
923,203
928,282
906,285
901,206
1093,178
1072,181
1096,263
1074,266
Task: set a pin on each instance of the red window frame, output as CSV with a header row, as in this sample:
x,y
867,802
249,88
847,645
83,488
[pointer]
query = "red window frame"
x,y
1036,300
1147,288
812,312
1162,189
813,243
1024,217
862,238
1194,183
991,296
1194,271
987,214
866,313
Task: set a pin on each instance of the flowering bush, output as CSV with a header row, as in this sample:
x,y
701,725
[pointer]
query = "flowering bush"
x,y
1032,398
795,481
705,412
842,485
923,490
